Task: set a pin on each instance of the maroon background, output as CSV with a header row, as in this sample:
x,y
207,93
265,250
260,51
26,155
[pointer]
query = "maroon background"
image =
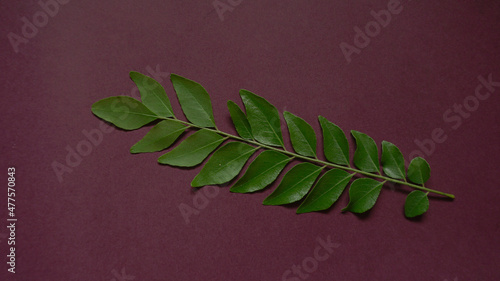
x,y
117,210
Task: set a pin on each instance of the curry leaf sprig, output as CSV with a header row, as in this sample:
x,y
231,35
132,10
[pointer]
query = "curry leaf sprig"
x,y
259,128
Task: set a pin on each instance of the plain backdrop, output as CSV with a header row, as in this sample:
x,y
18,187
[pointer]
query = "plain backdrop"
x,y
116,216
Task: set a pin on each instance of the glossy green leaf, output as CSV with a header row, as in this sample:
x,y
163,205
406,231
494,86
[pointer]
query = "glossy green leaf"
x,y
326,191
419,170
240,121
193,150
224,165
194,100
153,95
363,194
264,119
124,112
259,125
295,184
416,204
393,162
335,143
262,172
301,134
366,154
161,136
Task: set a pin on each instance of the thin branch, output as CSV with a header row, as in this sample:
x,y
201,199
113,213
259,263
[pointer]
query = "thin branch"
x,y
314,160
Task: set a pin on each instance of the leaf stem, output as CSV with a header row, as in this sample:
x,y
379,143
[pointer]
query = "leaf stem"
x,y
314,160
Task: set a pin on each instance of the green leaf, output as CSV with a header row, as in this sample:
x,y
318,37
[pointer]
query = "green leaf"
x,y
419,170
295,184
194,100
416,204
366,154
124,112
153,95
193,150
301,134
326,191
262,172
393,162
363,194
161,136
264,119
240,121
335,143
225,164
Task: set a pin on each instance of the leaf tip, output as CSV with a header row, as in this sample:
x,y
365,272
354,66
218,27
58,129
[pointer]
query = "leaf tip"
x,y
301,211
195,183
267,202
234,189
93,109
160,160
131,74
176,78
244,93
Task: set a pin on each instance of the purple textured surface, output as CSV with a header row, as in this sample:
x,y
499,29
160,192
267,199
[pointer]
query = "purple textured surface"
x,y
116,216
